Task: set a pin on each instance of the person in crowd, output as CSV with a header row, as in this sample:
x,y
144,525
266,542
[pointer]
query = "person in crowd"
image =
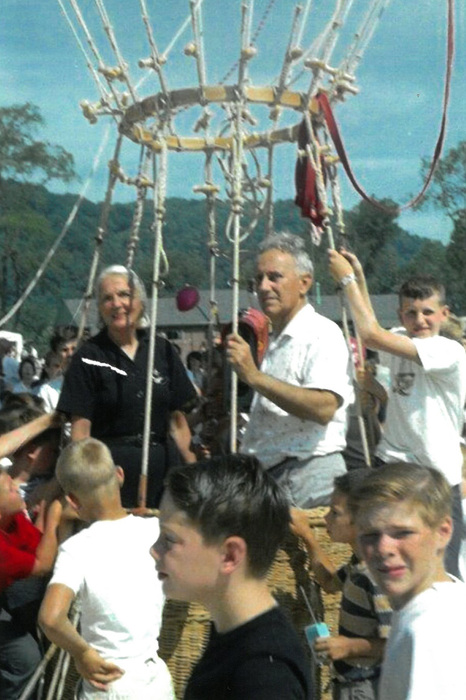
x,y
64,341
49,390
221,523
27,551
27,374
104,390
356,653
302,390
109,567
195,370
10,363
424,416
403,519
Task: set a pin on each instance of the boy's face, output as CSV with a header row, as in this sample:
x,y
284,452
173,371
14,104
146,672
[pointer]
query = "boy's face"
x,y
11,501
404,555
187,566
338,519
422,318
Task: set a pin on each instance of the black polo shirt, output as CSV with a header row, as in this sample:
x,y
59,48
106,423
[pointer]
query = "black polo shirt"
x,y
108,388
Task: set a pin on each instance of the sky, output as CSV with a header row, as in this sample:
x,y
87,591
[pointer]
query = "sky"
x,y
388,127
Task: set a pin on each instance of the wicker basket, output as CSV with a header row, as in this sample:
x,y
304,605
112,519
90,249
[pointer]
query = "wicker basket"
x,y
185,626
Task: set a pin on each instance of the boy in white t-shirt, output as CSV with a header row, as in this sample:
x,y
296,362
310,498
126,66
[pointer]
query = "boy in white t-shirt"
x,y
428,379
108,566
404,524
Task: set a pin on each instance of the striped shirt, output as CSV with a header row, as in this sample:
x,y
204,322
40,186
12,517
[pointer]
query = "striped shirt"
x,y
365,613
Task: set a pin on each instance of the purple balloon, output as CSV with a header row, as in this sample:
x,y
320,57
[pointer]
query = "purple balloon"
x,y
187,298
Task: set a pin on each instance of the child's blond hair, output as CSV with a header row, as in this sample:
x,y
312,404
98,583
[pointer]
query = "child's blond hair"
x,y
425,488
84,466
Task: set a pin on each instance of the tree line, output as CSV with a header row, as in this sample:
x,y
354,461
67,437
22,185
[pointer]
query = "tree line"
x,y
31,217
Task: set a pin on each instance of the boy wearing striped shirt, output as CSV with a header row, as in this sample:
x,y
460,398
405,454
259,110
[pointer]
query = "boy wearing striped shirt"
x,y
364,623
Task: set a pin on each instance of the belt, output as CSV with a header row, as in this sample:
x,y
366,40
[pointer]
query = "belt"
x,y
356,674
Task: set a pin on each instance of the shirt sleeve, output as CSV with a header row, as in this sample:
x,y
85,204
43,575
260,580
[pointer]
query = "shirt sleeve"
x,y
67,570
326,364
439,354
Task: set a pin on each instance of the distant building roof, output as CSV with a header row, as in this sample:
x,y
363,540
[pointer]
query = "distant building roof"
x,y
385,306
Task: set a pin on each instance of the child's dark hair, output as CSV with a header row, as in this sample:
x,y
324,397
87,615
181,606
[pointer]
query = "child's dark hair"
x,y
421,287
233,496
350,481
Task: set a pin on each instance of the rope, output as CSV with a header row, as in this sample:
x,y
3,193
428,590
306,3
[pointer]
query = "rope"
x,y
357,394
363,36
68,223
180,31
197,50
338,142
94,49
255,36
156,58
141,182
94,73
101,231
160,189
236,208
113,43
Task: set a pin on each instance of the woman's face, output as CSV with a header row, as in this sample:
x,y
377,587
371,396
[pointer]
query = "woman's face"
x,y
119,306
27,374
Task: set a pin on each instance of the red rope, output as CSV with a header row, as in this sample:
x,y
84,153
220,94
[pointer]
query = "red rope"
x,y
338,141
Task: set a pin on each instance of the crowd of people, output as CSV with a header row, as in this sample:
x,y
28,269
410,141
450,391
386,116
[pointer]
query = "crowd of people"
x,y
73,440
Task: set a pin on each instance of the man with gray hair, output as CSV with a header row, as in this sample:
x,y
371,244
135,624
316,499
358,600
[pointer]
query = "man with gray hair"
x,y
302,390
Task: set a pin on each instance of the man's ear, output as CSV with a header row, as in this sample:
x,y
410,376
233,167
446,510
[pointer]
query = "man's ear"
x,y
73,501
306,283
120,475
234,554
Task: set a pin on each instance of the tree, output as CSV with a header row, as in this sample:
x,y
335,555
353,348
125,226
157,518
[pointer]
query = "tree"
x,y
21,156
448,189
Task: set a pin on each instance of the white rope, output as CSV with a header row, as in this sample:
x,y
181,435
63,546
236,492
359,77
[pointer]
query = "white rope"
x,y
180,31
289,57
97,79
141,183
363,36
198,52
101,231
32,284
329,40
160,190
156,58
304,18
94,49
113,43
236,207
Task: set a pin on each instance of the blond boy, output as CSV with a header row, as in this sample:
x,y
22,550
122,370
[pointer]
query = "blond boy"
x,y
403,518
109,567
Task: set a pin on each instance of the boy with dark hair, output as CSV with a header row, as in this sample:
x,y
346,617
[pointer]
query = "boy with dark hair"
x,y
356,652
221,523
428,378
404,524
